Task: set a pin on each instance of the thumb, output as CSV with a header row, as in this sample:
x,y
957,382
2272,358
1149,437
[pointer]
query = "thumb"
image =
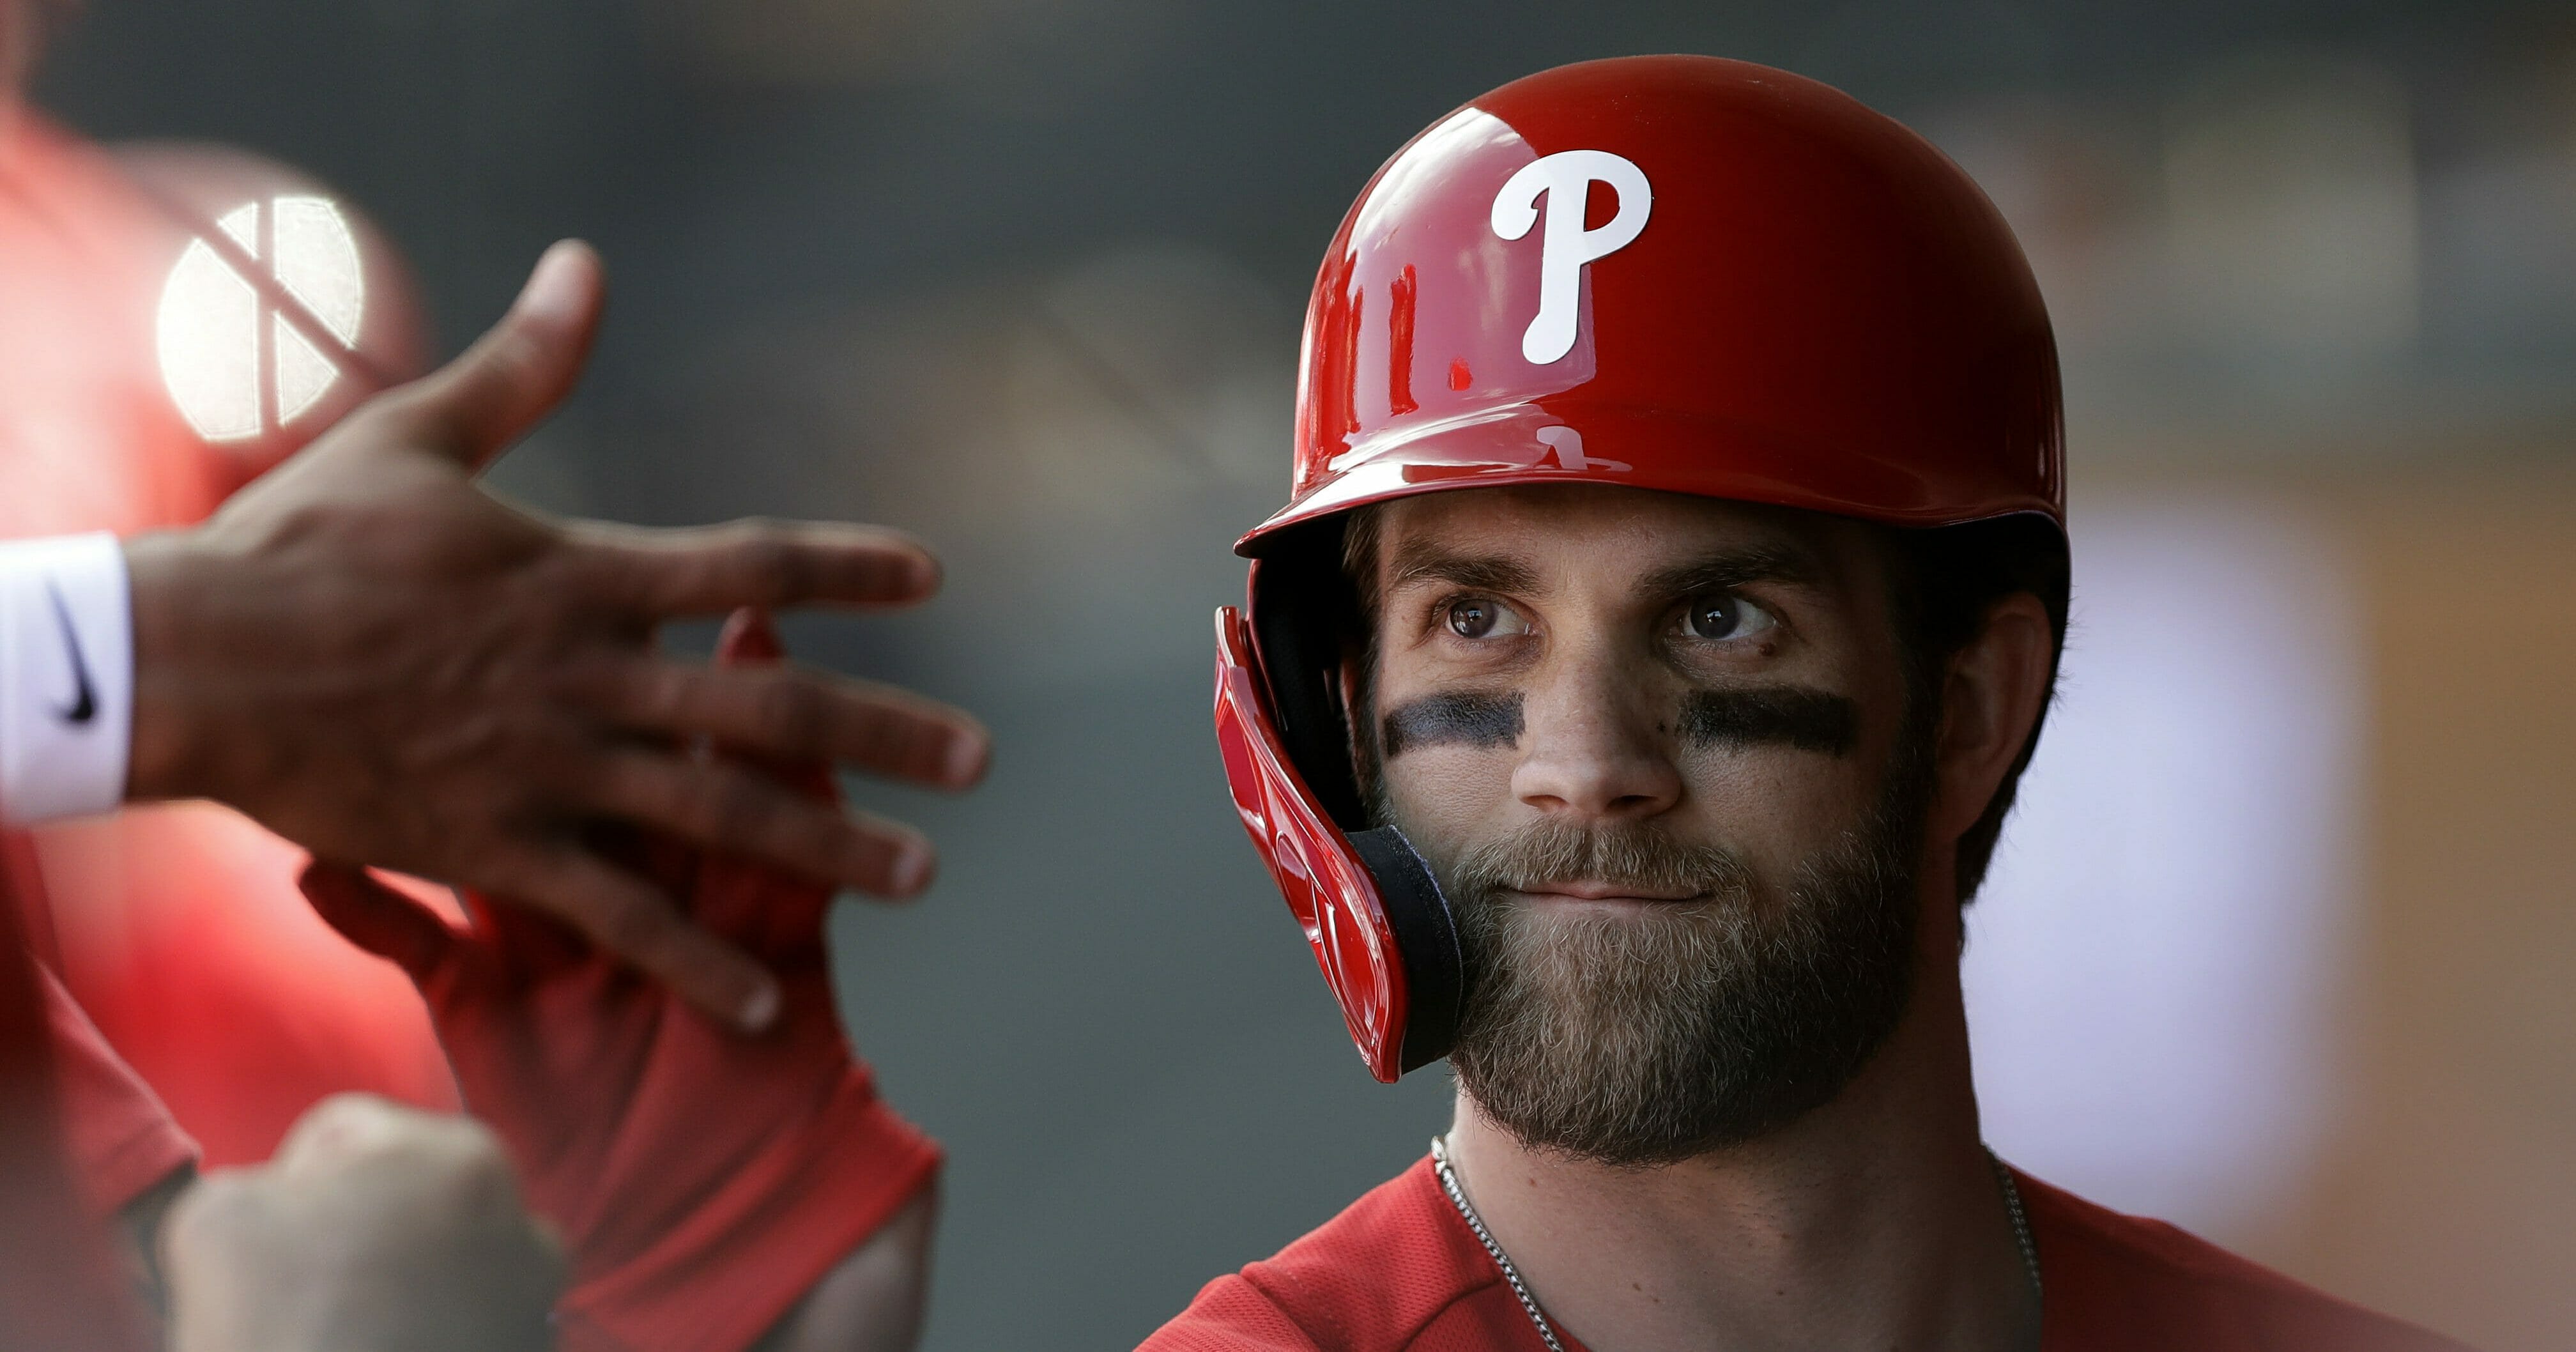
x,y
521,367
379,919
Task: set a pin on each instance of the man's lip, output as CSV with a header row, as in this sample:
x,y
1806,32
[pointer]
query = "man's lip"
x,y
1598,892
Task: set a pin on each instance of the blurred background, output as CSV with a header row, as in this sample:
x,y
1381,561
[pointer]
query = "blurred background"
x,y
2280,947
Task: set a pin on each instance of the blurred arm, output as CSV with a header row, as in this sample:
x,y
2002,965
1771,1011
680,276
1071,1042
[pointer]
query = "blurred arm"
x,y
66,677
875,1299
371,656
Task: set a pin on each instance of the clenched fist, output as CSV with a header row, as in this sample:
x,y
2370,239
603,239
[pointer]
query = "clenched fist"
x,y
374,1227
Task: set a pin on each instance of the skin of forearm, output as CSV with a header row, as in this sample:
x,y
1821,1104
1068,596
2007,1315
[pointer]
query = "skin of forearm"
x,y
874,1300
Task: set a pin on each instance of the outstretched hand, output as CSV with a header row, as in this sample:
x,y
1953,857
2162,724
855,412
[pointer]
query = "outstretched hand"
x,y
378,660
703,1181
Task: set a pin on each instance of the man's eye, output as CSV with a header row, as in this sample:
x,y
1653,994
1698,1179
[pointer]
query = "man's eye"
x,y
1718,616
1484,618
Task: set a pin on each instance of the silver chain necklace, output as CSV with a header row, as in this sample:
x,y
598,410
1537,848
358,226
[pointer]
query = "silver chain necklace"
x,y
1538,1317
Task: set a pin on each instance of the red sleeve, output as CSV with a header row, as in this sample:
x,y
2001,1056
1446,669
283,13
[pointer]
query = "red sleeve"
x,y
1231,1315
723,1274
122,1141
58,1285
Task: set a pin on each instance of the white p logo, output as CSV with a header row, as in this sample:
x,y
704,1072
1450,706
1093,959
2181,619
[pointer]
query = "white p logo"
x,y
1565,246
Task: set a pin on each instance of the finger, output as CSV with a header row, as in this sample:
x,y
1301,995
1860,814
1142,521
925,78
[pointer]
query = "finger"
x,y
735,809
522,939
793,715
627,917
708,570
515,374
750,639
378,919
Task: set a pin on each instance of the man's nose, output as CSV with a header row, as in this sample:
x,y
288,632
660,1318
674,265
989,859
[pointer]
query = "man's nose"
x,y
1589,749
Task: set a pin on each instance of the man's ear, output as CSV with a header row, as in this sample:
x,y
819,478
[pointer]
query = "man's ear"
x,y
1996,685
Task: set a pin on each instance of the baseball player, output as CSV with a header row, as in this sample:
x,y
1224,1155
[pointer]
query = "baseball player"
x,y
1627,702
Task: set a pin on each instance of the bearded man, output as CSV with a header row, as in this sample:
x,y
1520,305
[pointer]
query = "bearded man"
x,y
1628,703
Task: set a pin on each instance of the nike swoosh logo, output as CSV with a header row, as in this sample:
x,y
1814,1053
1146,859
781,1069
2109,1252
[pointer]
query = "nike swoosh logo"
x,y
84,705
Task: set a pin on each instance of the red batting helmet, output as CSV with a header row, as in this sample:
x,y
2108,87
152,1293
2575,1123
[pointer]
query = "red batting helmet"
x,y
1667,272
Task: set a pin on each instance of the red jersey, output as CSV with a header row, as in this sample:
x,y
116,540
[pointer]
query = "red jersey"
x,y
122,1141
1399,1271
79,1136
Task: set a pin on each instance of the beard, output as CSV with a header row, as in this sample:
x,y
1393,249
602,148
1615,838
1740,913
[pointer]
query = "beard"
x,y
1679,1028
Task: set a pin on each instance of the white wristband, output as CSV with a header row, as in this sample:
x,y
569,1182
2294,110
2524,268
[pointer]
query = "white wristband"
x,y
66,677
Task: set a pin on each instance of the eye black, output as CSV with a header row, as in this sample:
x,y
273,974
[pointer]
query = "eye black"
x,y
1715,616
1471,619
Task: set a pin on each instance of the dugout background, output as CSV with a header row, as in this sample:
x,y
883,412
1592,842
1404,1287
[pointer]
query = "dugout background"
x,y
1025,276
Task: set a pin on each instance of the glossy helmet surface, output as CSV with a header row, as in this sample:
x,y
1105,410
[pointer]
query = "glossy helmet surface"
x,y
1668,272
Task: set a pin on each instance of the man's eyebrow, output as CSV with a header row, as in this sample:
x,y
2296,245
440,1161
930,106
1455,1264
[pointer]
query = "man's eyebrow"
x,y
1417,562
1727,569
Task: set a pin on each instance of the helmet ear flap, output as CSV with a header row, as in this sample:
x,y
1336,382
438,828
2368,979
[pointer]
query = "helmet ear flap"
x,y
1426,936
1385,937
1302,615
